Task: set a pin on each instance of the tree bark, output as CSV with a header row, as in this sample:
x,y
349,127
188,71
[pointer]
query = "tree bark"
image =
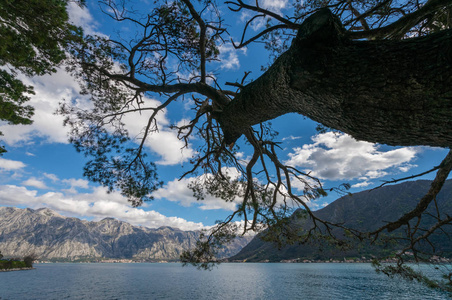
x,y
388,92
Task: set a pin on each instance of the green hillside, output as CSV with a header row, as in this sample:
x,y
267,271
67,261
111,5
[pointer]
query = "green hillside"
x,y
365,211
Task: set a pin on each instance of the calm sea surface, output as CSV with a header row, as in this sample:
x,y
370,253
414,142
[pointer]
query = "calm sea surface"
x,y
228,281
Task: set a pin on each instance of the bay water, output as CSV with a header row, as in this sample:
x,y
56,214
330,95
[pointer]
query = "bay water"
x,y
227,281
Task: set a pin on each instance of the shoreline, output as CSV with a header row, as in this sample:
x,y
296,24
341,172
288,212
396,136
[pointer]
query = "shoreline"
x,y
16,269
449,261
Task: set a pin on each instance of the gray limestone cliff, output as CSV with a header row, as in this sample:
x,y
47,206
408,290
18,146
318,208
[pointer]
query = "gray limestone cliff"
x,y
52,236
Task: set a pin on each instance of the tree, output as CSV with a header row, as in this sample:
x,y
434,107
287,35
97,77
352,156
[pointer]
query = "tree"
x,y
396,57
29,259
34,34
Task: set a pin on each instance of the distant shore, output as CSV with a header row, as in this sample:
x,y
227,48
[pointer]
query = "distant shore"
x,y
440,260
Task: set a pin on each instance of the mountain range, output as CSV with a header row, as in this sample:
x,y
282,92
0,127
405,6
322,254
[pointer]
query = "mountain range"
x,y
366,211
51,236
55,237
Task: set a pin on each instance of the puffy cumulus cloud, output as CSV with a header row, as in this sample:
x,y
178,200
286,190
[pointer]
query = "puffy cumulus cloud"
x,y
81,183
361,184
240,225
171,150
100,193
17,195
80,16
229,58
303,183
178,191
136,122
52,177
9,165
52,89
34,182
335,156
98,205
164,141
49,91
276,6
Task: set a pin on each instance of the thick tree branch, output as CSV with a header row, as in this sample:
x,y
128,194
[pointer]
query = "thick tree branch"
x,y
141,86
388,92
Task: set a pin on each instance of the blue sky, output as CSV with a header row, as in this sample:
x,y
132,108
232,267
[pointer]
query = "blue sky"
x,y
41,169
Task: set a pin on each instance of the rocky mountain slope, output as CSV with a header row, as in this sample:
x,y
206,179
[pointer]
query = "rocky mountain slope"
x,y
366,211
54,237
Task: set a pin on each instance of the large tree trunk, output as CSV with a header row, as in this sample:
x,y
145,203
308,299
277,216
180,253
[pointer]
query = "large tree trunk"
x,y
389,92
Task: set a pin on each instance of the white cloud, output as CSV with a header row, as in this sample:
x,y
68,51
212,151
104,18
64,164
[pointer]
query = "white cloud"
x,y
74,184
50,90
291,138
163,142
17,195
406,168
81,17
275,6
35,183
98,204
52,177
229,58
361,184
178,191
169,147
8,164
340,157
81,183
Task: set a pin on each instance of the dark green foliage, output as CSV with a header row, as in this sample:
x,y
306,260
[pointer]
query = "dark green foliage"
x,y
34,34
29,259
135,177
169,32
12,263
170,57
114,163
16,263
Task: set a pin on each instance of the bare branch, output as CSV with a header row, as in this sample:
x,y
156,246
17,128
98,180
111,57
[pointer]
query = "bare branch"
x,y
256,37
441,176
240,5
406,178
399,28
202,38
